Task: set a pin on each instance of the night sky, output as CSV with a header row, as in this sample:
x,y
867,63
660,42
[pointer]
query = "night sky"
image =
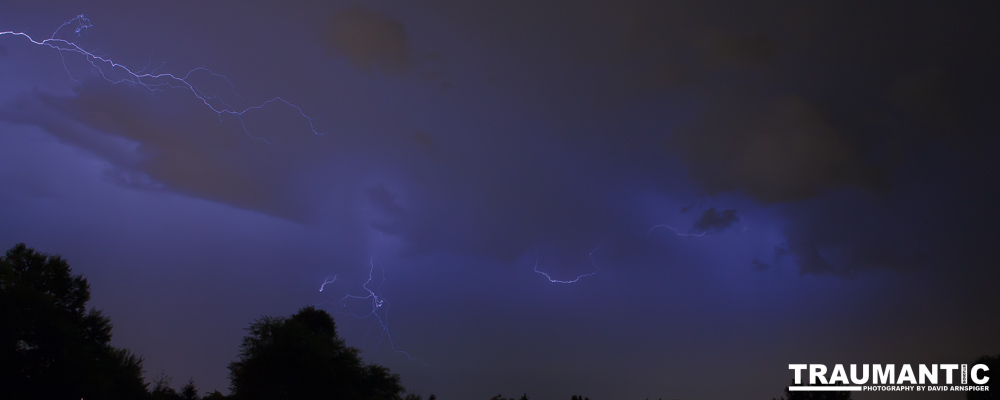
x,y
754,185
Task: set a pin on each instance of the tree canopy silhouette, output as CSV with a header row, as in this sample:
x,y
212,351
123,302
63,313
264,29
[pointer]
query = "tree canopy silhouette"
x,y
301,357
500,397
161,390
803,395
50,345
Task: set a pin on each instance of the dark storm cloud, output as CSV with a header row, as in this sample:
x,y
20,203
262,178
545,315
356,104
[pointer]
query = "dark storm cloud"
x,y
756,130
856,139
498,203
674,47
499,200
38,109
139,135
929,103
712,220
721,48
789,101
933,219
370,39
792,104
780,150
781,104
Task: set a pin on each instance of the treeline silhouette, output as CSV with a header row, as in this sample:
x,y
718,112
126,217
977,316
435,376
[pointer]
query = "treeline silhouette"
x,y
52,347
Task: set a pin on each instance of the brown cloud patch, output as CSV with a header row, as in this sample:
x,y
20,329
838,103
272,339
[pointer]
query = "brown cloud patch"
x,y
370,40
723,48
782,150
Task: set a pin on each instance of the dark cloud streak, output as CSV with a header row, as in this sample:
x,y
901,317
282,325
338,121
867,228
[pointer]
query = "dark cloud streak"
x,y
712,220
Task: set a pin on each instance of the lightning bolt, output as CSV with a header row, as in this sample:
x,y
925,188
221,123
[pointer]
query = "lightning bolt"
x,y
152,81
597,268
592,261
327,281
379,310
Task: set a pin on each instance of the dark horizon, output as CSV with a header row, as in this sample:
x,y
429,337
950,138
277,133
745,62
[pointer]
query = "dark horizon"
x,y
610,199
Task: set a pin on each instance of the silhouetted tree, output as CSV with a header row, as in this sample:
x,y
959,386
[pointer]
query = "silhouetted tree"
x,y
50,345
301,357
189,391
215,395
993,363
162,391
500,397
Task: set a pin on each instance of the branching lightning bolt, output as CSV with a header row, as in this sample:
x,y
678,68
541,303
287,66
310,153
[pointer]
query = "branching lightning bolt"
x,y
327,281
592,261
380,310
152,81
